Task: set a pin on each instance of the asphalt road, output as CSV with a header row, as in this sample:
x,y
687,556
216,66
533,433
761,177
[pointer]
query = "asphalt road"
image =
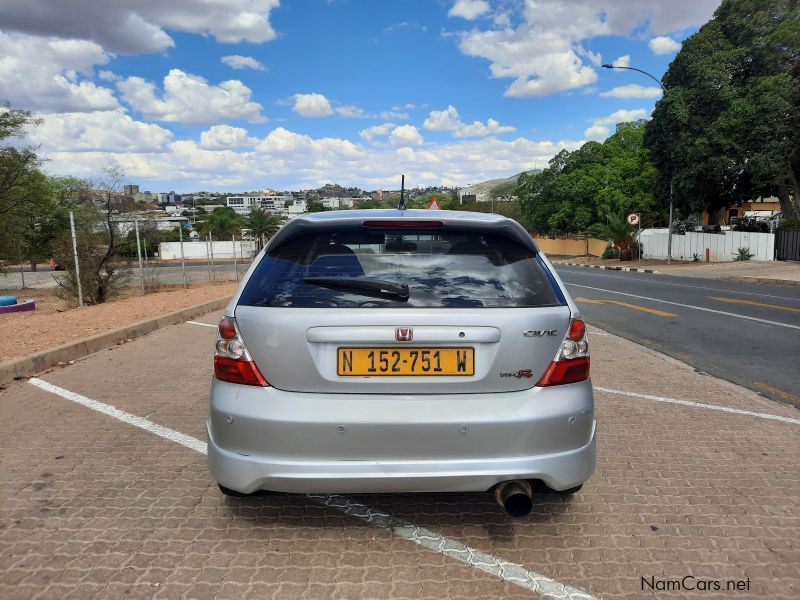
x,y
745,333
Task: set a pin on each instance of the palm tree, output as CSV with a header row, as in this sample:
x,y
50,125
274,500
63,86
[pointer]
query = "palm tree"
x,y
263,225
222,223
617,231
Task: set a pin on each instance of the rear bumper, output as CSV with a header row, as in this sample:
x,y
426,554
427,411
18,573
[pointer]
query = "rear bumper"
x,y
248,474
263,438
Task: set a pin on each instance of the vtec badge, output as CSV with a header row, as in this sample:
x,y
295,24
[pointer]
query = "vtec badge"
x,y
519,374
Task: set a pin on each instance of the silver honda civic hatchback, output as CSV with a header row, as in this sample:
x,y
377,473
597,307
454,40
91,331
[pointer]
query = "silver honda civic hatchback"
x,y
402,351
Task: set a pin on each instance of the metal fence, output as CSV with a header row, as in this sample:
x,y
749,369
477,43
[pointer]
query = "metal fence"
x,y
25,280
170,266
787,244
716,247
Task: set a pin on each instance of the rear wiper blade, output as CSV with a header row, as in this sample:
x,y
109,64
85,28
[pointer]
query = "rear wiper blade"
x,y
366,287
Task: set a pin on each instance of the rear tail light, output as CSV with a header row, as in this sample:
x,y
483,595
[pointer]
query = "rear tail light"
x,y
232,361
401,223
571,363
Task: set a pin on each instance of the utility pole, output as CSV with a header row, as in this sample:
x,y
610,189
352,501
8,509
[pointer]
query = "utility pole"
x,y
669,237
139,253
75,257
183,260
664,90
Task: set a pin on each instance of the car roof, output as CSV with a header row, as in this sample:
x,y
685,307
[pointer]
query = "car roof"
x,y
480,222
448,216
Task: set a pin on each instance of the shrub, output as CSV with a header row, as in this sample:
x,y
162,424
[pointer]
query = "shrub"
x,y
750,224
742,254
789,224
681,226
610,252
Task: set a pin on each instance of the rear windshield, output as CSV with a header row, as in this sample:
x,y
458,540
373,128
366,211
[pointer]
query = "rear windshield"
x,y
403,268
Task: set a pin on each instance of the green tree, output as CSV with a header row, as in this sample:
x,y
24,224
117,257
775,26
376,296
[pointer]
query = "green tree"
x,y
728,126
19,165
222,223
263,225
503,189
23,186
369,203
38,224
578,187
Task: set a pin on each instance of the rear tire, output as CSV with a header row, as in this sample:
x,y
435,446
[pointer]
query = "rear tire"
x,y
231,493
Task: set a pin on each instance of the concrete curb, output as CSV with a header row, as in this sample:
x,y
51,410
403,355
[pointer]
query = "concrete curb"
x,y
605,267
769,280
27,366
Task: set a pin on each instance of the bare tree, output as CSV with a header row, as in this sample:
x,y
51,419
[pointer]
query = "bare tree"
x,y
101,273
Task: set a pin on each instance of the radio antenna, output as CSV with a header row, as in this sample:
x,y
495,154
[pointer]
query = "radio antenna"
x,y
402,205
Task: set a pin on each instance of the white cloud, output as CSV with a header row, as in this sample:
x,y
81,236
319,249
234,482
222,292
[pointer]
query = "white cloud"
x,y
623,61
311,105
540,61
107,75
371,133
543,54
449,120
469,9
388,115
601,127
237,61
285,159
478,129
285,144
633,90
226,137
135,26
353,112
111,131
443,120
405,135
664,45
52,75
190,99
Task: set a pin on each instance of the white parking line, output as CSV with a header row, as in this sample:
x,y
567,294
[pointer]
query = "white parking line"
x,y
494,565
203,324
725,409
692,306
126,417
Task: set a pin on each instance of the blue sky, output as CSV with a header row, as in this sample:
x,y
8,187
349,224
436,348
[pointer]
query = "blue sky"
x,y
256,94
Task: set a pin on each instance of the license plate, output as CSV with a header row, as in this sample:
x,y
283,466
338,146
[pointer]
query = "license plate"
x,y
404,362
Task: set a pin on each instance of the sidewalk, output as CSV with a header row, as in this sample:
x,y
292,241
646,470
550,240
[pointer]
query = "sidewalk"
x,y
22,334
774,272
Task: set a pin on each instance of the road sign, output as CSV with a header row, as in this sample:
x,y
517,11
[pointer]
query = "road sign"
x,y
633,219
434,204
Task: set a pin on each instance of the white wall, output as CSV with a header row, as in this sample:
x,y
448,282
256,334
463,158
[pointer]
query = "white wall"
x,y
722,247
200,249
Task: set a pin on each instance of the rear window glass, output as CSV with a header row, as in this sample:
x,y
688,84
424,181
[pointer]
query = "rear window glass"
x,y
403,268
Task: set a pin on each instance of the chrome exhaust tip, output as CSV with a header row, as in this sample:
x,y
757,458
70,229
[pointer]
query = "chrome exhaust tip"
x,y
515,497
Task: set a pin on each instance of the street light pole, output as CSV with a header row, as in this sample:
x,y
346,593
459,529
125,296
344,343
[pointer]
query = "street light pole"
x,y
664,90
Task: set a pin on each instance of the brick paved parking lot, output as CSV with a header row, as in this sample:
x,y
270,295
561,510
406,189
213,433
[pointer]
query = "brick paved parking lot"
x,y
94,507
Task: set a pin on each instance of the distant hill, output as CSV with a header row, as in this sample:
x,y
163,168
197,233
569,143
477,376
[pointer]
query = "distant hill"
x,y
488,185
